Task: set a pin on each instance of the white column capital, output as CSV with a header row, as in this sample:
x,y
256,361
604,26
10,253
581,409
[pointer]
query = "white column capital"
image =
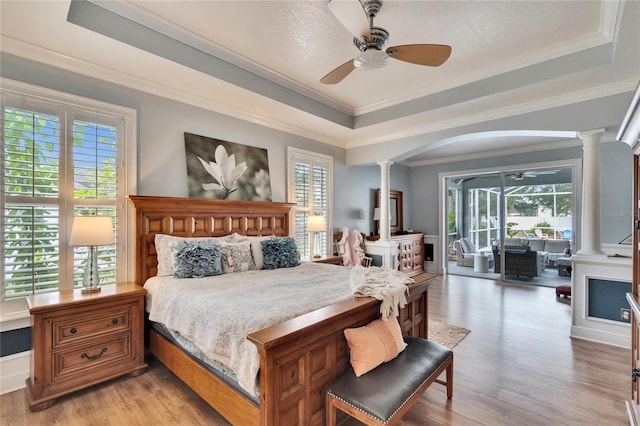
x,y
591,135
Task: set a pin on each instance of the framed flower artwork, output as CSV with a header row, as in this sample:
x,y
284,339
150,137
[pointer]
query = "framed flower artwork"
x,y
226,170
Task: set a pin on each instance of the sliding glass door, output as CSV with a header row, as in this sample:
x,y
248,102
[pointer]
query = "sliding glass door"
x,y
528,213
473,223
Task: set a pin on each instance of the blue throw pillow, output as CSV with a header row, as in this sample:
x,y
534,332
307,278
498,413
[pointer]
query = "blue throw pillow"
x,y
279,252
197,259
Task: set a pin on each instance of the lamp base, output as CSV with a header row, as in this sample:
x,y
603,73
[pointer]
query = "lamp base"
x,y
91,277
95,289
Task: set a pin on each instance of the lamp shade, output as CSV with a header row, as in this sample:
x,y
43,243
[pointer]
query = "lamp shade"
x,y
376,213
316,224
91,231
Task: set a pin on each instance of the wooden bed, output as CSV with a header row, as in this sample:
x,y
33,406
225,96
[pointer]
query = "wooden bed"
x,y
300,357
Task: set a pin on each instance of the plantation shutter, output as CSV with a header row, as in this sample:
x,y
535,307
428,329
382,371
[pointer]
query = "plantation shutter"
x,y
310,177
95,187
31,160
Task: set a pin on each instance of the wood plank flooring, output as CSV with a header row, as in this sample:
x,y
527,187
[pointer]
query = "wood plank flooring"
x,y
517,367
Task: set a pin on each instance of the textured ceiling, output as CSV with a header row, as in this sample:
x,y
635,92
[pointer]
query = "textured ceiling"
x,y
302,40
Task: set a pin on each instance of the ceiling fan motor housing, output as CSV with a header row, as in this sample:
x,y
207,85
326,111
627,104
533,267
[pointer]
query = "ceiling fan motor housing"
x,y
379,39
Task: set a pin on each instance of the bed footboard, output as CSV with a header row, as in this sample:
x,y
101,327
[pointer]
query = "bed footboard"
x,y
301,357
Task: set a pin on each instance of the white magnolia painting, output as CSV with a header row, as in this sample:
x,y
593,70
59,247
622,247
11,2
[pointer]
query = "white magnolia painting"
x,y
226,170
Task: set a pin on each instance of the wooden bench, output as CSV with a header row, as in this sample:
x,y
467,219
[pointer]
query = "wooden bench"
x,y
383,395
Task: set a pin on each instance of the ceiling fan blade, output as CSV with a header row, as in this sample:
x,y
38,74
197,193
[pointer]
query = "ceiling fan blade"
x,y
432,55
352,16
338,74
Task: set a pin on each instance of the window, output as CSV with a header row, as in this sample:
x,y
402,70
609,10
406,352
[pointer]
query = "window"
x,y
62,156
310,188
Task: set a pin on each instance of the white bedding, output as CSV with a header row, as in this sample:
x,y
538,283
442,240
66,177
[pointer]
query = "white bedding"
x,y
217,313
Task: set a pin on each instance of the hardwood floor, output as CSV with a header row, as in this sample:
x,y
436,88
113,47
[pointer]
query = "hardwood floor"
x,y
517,367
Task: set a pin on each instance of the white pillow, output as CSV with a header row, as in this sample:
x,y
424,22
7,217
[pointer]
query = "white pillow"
x,y
256,250
165,255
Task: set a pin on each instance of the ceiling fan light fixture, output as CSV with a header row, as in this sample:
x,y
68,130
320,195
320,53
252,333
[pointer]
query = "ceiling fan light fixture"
x,y
371,59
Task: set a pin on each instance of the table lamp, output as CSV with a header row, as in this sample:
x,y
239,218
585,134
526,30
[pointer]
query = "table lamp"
x,y
316,224
91,231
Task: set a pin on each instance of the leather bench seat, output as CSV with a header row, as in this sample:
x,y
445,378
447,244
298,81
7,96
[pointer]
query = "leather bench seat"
x,y
386,392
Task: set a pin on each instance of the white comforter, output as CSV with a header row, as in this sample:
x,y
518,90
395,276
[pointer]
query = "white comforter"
x,y
217,313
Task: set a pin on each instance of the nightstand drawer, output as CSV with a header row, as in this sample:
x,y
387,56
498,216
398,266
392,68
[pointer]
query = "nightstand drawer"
x,y
84,326
79,362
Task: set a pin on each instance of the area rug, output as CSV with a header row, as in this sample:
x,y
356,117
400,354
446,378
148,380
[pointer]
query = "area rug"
x,y
446,334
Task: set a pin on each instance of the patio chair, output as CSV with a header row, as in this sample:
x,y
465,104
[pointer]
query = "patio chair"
x,y
465,251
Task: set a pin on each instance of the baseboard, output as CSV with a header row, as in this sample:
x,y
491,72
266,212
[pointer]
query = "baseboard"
x,y
14,371
613,339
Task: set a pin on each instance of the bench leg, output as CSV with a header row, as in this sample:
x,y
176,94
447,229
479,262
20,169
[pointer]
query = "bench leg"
x,y
450,380
330,412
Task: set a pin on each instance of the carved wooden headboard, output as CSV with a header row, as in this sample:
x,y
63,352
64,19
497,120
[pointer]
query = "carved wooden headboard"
x,y
196,217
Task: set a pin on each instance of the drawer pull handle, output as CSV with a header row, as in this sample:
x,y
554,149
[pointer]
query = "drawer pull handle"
x,y
93,357
114,321
73,330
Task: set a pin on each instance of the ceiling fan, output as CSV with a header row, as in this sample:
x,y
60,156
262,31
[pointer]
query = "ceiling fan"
x,y
532,174
371,40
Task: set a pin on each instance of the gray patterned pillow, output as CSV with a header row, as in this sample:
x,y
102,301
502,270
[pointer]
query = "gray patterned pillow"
x,y
236,257
192,259
164,253
235,238
280,252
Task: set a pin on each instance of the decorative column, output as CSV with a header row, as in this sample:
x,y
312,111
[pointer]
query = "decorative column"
x,y
384,247
590,261
590,232
385,233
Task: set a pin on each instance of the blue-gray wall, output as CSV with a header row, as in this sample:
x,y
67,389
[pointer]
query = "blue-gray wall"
x,y
424,208
616,195
616,176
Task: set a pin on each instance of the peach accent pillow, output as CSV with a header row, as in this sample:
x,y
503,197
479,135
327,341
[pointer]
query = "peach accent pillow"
x,y
375,343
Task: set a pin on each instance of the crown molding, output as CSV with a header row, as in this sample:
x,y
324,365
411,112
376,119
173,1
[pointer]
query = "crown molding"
x,y
497,153
132,11
79,66
596,92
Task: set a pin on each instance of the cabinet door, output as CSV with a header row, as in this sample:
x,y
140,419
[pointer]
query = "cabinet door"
x,y
406,257
418,255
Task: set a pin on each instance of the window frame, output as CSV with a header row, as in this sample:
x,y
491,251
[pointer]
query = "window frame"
x,y
47,101
311,158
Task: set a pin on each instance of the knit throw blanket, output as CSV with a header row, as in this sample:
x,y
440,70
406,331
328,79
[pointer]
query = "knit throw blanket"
x,y
387,285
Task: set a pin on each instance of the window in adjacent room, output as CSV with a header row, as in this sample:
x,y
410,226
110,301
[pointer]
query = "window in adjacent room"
x,y
310,188
62,156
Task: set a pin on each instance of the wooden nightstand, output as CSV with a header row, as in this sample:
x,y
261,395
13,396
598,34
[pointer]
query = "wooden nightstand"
x,y
334,260
79,340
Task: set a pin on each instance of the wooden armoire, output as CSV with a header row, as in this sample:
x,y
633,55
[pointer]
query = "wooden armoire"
x,y
630,133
